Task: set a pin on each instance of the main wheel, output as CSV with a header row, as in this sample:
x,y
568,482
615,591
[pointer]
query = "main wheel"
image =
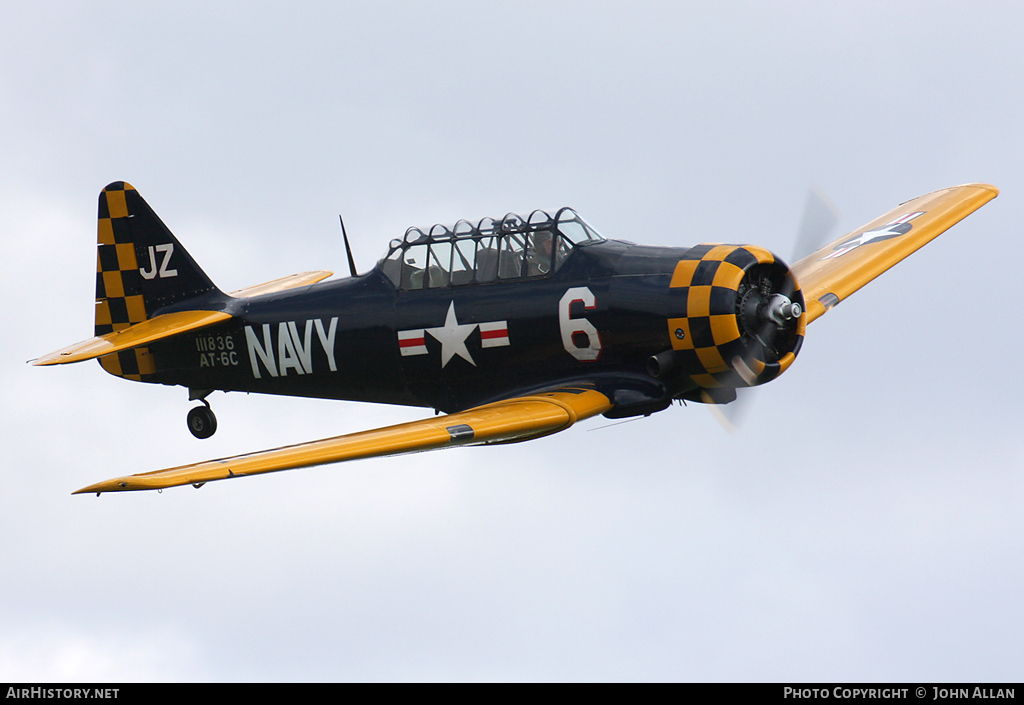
x,y
201,422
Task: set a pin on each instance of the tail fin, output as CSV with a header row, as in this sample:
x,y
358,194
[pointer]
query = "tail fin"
x,y
140,265
140,268
148,288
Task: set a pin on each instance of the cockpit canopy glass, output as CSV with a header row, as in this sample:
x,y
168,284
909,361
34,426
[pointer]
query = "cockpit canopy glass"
x,y
486,251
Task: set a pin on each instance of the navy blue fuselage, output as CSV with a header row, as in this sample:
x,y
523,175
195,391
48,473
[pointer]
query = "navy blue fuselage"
x,y
594,321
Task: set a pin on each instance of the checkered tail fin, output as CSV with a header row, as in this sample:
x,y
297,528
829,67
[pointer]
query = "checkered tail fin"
x,y
140,268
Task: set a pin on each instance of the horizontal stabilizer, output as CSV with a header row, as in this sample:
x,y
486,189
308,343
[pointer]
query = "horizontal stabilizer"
x,y
284,283
831,274
164,326
517,419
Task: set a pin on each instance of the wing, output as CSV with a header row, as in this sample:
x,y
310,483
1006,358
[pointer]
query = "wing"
x,y
517,419
837,270
147,331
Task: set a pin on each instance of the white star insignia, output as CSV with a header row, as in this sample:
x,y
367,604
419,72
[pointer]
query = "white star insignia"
x,y
889,230
452,337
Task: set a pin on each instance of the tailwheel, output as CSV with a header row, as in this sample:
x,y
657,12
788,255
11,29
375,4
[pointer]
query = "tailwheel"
x,y
201,421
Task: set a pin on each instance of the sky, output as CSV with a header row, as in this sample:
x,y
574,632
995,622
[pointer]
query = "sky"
x,y
864,524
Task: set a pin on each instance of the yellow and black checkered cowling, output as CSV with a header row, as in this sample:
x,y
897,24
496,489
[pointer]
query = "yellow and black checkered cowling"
x,y
720,338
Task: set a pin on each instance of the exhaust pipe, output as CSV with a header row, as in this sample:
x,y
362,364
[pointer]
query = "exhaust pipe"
x,y
661,364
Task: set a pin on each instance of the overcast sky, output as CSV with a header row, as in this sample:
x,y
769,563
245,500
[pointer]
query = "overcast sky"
x,y
865,524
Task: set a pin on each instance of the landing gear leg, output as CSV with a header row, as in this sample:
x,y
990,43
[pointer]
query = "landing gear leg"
x,y
201,420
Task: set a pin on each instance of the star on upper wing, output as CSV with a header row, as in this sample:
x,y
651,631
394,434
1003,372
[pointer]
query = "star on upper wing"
x,y
895,228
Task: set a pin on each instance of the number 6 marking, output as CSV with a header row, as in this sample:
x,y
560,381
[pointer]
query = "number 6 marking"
x,y
572,327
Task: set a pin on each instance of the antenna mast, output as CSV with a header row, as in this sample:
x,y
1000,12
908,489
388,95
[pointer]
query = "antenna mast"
x,y
348,248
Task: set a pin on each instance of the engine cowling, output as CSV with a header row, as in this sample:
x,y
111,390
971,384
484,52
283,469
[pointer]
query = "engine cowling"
x,y
736,318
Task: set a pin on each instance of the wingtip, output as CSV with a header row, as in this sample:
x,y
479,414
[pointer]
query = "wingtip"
x,y
45,360
987,187
118,485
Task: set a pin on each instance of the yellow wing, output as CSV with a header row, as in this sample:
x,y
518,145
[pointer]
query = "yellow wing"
x,y
157,328
837,270
518,419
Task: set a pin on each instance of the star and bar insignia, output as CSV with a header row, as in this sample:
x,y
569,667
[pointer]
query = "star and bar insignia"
x,y
895,228
452,336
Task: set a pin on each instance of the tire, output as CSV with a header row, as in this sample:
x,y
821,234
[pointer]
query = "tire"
x,y
202,422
